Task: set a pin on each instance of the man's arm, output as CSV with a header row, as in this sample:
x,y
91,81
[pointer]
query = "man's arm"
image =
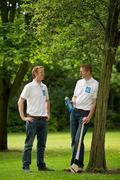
x,y
92,110
48,108
21,110
74,100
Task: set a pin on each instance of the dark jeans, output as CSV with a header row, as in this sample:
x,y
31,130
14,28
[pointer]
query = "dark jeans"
x,y
75,128
36,127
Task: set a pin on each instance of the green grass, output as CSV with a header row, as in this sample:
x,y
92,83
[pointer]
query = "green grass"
x,y
57,156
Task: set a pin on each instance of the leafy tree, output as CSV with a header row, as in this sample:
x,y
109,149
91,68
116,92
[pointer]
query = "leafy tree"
x,y
65,35
65,40
15,48
61,21
112,40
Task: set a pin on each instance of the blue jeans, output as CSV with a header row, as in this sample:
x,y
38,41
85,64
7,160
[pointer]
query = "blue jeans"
x,y
39,128
75,128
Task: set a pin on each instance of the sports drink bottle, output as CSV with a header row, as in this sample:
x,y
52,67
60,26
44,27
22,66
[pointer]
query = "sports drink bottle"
x,y
68,104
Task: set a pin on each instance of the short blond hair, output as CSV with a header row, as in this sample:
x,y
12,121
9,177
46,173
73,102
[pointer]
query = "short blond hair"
x,y
87,67
35,69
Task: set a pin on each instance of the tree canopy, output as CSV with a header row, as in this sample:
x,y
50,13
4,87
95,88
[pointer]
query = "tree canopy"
x,y
61,35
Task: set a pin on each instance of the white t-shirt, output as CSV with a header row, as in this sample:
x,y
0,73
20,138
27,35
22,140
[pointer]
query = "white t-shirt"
x,y
85,92
36,96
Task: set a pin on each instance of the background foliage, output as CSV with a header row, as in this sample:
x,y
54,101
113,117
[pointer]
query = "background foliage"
x,y
62,35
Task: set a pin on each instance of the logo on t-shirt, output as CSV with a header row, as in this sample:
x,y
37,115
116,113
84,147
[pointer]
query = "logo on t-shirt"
x,y
88,89
43,91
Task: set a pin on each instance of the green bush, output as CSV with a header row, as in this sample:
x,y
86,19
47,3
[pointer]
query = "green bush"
x,y
113,119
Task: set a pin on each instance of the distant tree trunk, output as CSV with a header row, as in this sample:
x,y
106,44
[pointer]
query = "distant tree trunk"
x,y
4,96
3,122
97,162
7,91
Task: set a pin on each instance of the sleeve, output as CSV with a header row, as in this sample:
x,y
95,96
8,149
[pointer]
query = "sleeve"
x,y
76,90
95,91
25,93
47,94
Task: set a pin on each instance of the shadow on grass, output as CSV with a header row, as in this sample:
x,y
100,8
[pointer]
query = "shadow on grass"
x,y
108,171
51,152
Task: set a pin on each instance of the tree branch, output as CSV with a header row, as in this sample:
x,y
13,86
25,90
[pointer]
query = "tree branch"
x,y
112,34
97,17
19,78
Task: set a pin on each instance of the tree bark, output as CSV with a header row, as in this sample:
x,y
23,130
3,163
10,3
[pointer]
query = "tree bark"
x,y
4,11
97,162
8,10
3,121
12,12
19,78
7,91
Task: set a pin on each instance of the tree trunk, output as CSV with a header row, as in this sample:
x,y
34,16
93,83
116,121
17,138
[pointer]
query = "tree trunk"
x,y
3,122
97,162
8,91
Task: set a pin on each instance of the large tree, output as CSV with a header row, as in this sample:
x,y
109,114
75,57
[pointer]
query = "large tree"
x,y
97,162
66,20
14,57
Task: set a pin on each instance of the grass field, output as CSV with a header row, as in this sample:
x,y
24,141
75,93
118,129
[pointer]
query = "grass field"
x,y
57,156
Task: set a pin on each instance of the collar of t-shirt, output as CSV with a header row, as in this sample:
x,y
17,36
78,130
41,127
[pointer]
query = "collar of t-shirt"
x,y
36,83
89,80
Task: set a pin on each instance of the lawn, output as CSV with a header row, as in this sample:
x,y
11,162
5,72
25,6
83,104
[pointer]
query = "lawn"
x,y
57,156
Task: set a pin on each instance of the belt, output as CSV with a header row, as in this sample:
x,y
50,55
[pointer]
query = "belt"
x,y
37,117
81,110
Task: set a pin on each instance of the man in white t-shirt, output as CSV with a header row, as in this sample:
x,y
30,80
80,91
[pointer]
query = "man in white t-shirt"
x,y
84,102
38,113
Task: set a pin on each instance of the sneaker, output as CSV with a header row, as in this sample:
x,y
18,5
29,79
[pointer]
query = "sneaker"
x,y
80,170
70,170
45,168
